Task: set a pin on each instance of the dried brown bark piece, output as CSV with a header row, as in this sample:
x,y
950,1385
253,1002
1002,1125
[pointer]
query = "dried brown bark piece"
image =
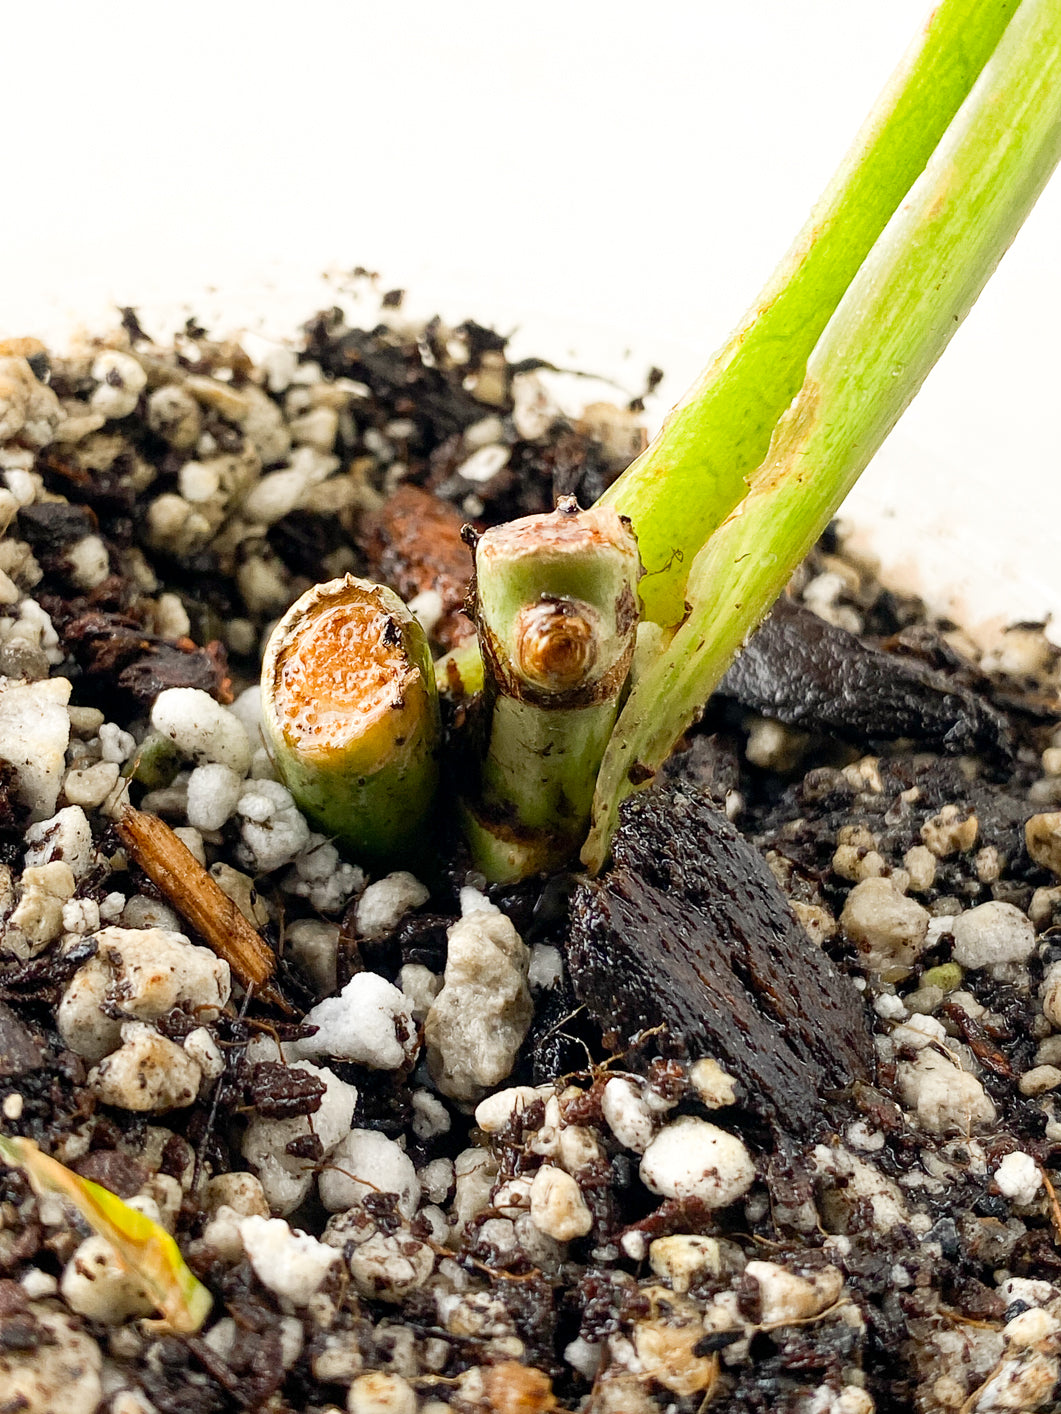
x,y
413,543
689,933
198,898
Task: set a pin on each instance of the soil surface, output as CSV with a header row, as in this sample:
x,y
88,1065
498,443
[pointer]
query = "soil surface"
x,y
765,1118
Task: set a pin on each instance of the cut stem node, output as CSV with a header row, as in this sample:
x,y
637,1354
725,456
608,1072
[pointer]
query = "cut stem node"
x,y
351,716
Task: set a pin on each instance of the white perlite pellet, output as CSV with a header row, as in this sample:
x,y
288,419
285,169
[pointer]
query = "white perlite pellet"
x,y
291,1264
91,786
1018,1177
557,1207
1042,837
241,1192
950,832
917,1033
1039,1080
627,1114
888,928
81,915
205,1052
147,1072
368,1022
1027,1289
142,912
380,1392
430,1116
96,1283
479,1019
313,946
287,1180
944,1098
148,971
248,708
715,1087
685,1258
546,967
388,1266
115,745
493,1113
533,410
273,830
34,735
213,791
120,380
174,415
421,986
386,902
62,1373
990,934
690,1158
38,918
67,835
275,495
786,1296
88,561
201,728
36,1284
368,1162
322,877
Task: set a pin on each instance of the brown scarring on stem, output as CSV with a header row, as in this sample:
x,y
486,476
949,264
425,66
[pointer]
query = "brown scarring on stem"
x,y
200,901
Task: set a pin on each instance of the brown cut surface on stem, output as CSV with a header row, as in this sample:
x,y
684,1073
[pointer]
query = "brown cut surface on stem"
x,y
200,900
343,668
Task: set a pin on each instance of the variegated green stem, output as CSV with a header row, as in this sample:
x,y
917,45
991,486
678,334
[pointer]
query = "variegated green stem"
x,y
556,607
898,315
351,717
696,470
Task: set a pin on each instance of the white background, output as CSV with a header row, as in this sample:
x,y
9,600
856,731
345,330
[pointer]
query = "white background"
x,y
614,180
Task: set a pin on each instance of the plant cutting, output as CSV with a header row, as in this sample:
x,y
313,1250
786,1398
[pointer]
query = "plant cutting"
x,y
351,715
556,608
728,1167
748,470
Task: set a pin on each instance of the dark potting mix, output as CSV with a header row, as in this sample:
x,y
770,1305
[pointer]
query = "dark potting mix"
x,y
764,1117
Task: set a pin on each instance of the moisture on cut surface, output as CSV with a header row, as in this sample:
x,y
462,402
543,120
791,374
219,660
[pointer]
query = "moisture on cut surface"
x,y
342,669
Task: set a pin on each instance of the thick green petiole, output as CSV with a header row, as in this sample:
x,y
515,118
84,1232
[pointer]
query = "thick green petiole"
x,y
556,607
895,319
351,717
697,469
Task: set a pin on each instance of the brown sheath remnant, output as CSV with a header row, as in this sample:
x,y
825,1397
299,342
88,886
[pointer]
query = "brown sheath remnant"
x,y
200,900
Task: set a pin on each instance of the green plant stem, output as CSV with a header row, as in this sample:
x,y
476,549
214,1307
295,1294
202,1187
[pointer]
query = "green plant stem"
x,y
556,608
695,471
896,318
460,671
351,716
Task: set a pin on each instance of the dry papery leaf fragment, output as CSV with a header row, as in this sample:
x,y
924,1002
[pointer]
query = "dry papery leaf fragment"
x,y
143,1246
